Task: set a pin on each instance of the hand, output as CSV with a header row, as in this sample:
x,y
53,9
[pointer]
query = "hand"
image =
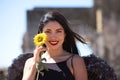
x,y
37,52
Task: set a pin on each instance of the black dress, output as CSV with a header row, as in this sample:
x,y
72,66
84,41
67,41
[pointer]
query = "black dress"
x,y
57,71
96,67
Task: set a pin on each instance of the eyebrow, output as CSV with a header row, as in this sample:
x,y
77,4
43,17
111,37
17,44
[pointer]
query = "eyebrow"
x,y
56,29
60,29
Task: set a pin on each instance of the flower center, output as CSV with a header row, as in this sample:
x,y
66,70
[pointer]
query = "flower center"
x,y
40,39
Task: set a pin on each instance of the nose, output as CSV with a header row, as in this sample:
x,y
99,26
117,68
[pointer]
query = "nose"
x,y
53,35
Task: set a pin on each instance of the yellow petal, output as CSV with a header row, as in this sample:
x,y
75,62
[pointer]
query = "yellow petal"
x,y
40,39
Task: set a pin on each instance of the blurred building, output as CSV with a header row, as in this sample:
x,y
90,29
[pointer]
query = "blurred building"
x,y
99,25
81,20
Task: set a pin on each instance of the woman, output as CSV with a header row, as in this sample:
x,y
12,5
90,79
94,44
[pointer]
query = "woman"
x,y
62,59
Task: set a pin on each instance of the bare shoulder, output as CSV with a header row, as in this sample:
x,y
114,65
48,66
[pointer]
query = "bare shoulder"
x,y
79,68
29,61
78,59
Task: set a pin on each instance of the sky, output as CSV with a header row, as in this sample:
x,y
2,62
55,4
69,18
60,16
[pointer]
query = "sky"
x,y
13,23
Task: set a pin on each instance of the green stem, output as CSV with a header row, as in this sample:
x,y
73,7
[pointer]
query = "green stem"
x,y
39,65
38,74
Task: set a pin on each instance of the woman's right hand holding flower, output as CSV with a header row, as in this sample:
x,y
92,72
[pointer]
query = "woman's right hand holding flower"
x,y
37,52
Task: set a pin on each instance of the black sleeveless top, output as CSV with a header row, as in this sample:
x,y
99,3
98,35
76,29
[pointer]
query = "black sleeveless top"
x,y
57,71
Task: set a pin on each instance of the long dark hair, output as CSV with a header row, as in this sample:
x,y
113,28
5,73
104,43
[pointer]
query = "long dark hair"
x,y
69,42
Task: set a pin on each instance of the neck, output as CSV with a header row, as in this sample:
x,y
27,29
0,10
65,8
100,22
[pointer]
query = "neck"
x,y
55,53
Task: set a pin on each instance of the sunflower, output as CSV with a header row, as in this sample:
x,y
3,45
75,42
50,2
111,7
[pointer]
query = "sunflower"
x,y
40,39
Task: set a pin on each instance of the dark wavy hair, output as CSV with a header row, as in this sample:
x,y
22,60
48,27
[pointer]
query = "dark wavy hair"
x,y
69,42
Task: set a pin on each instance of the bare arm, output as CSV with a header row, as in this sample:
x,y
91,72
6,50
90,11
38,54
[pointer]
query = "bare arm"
x,y
30,65
29,70
79,69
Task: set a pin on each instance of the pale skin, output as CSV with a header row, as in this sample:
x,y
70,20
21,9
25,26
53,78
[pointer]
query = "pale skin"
x,y
54,53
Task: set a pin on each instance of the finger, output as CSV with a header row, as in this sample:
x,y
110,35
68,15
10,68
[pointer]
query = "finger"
x,y
37,52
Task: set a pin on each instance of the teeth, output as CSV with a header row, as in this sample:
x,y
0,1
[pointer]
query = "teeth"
x,y
53,42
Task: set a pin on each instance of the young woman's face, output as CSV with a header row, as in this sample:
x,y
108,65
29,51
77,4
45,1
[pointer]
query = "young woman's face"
x,y
55,35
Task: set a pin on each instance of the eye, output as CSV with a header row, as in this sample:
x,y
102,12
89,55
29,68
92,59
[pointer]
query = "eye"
x,y
47,31
59,31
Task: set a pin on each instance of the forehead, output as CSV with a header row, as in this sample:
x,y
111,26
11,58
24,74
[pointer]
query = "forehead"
x,y
52,25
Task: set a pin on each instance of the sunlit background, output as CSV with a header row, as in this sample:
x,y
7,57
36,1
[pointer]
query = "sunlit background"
x,y
104,34
13,23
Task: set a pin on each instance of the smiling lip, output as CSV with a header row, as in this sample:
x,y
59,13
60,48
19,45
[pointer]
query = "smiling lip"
x,y
53,42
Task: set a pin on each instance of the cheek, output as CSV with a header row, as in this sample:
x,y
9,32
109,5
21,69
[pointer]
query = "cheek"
x,y
62,38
